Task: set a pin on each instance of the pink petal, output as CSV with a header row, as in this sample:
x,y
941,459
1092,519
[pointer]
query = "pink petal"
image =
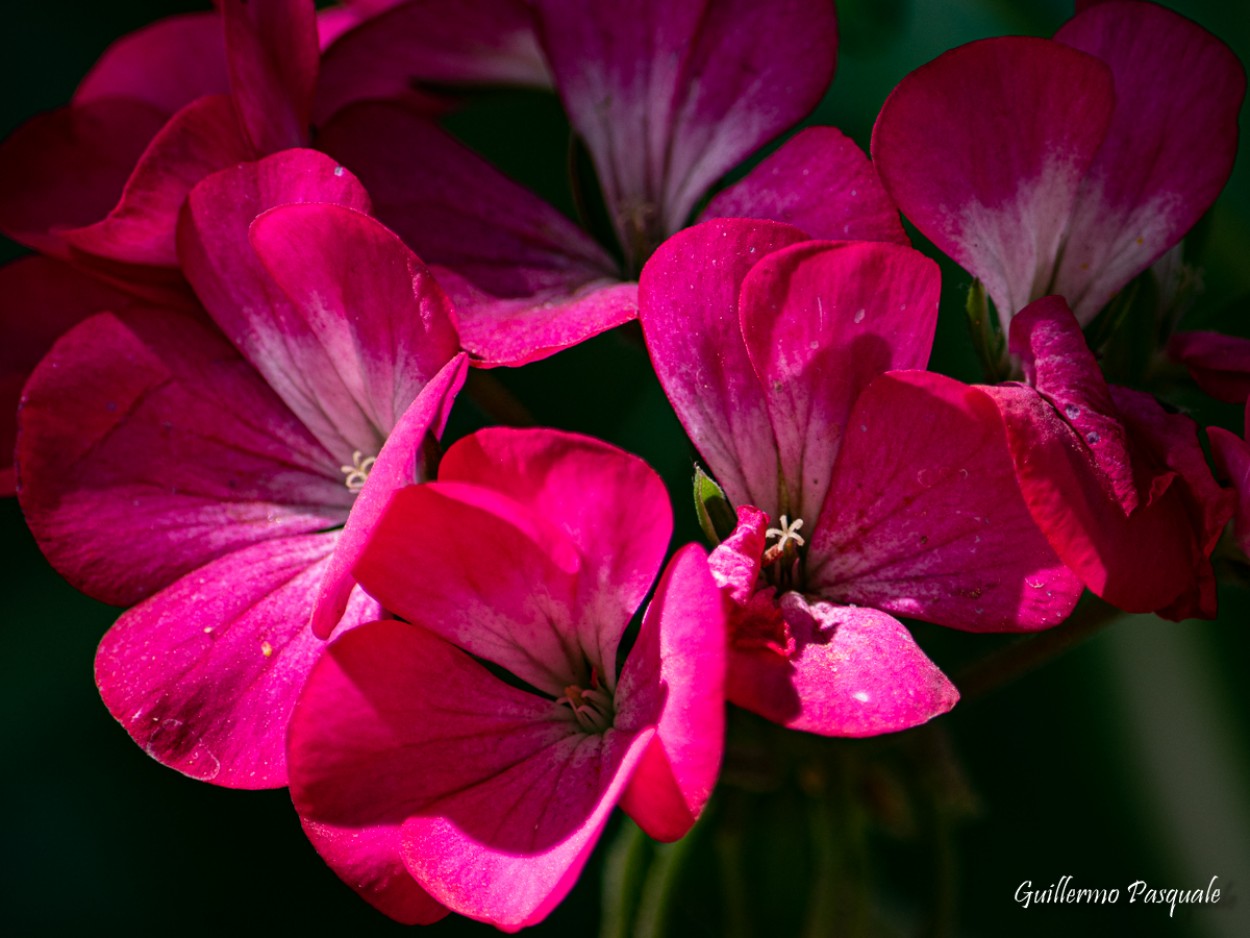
x,y
167,64
252,309
1172,440
612,506
735,563
371,312
201,139
991,183
673,94
820,321
688,307
1219,364
856,672
367,857
43,298
1167,153
1232,457
1139,563
1047,339
500,798
147,448
819,181
674,676
924,517
488,42
399,463
204,675
273,54
527,280
478,569
67,168
515,332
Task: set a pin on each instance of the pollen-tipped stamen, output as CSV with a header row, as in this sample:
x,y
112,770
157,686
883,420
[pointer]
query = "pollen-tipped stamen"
x,y
358,471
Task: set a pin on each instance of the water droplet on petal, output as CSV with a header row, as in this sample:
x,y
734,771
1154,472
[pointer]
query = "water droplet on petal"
x,y
1072,411
859,315
1092,436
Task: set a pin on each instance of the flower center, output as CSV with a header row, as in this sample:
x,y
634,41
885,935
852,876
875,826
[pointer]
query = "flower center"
x,y
358,471
780,561
592,706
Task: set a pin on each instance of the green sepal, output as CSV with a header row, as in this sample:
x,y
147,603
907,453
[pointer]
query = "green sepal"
x,y
716,516
987,335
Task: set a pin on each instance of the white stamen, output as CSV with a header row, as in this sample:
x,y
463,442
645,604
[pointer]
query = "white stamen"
x,y
787,532
358,471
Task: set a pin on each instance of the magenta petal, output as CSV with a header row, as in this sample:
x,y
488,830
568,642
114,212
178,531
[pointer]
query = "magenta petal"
x,y
1232,456
67,168
398,464
580,485
167,64
488,42
481,570
201,139
273,53
1172,441
819,181
1167,154
674,676
527,280
251,308
820,321
991,183
688,307
673,94
736,561
147,447
1219,364
855,672
204,675
368,859
1139,563
42,298
924,517
500,798
371,312
1047,339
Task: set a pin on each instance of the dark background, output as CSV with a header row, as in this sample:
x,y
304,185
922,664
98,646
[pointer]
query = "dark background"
x,y
1127,759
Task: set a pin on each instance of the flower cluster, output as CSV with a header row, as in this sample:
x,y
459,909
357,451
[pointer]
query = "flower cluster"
x,y
264,271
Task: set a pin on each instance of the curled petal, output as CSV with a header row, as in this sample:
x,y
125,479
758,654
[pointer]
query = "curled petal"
x,y
674,678
854,672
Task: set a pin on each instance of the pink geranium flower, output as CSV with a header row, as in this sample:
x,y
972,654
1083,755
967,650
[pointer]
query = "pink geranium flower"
x,y
428,780
667,97
1119,485
225,482
864,488
1064,166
